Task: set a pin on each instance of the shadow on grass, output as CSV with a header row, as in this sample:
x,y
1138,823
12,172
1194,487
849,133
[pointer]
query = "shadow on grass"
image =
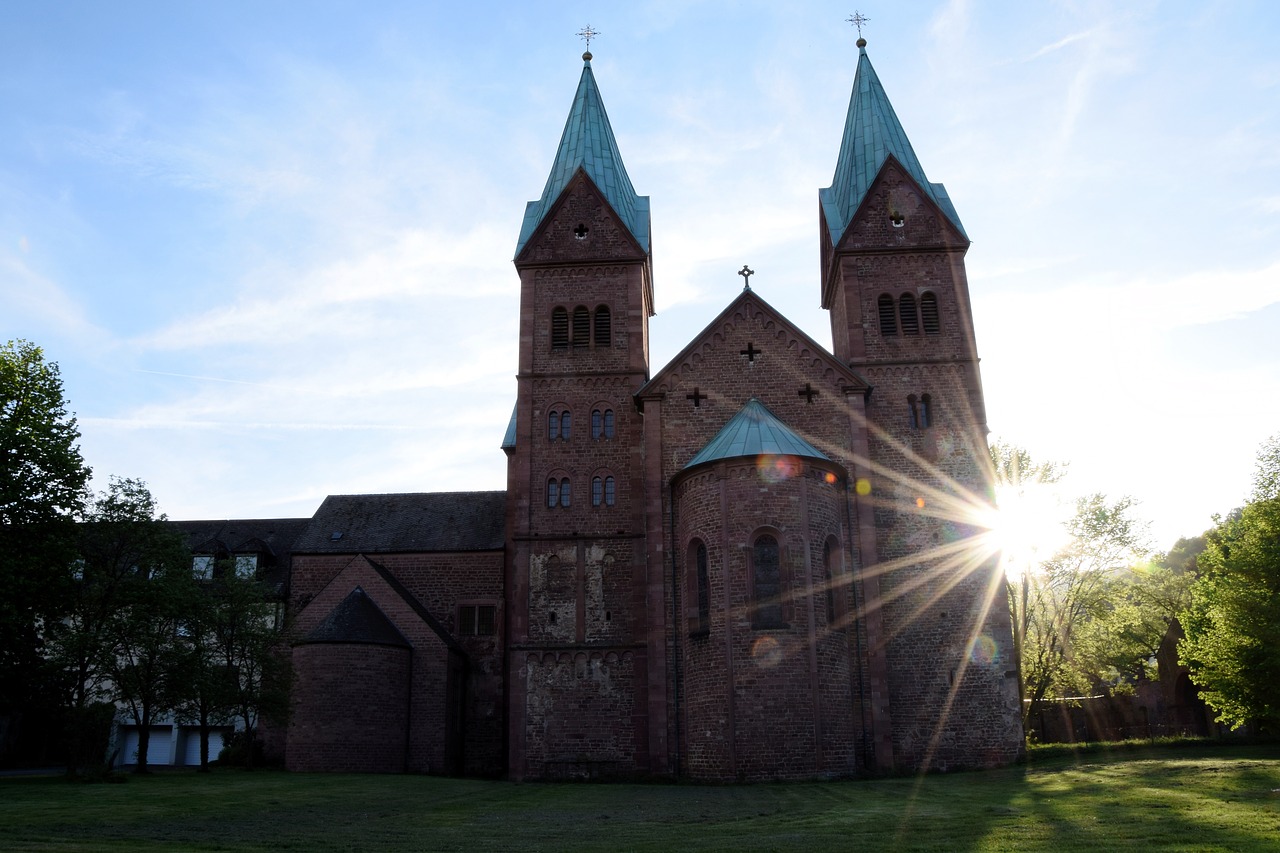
x,y
1190,798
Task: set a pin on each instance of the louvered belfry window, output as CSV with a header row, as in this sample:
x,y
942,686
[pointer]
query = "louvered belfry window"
x,y
929,313
888,322
581,327
559,328
604,327
907,314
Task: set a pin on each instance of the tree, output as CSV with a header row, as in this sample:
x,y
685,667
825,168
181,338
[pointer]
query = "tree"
x,y
115,640
1074,587
42,481
246,648
1232,643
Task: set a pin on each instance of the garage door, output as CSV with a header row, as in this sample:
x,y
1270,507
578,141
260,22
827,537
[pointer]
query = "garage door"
x,y
192,758
158,750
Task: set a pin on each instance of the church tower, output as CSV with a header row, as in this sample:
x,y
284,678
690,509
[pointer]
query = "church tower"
x,y
940,663
577,670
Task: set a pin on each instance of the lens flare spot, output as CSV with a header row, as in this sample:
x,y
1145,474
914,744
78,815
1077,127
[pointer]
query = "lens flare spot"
x,y
982,651
766,651
863,486
775,469
829,477
919,503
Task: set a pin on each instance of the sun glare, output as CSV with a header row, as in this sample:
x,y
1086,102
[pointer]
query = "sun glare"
x,y
1028,526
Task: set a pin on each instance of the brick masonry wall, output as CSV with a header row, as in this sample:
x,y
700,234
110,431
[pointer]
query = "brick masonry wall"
x,y
952,690
355,719
442,583
765,703
577,573
576,699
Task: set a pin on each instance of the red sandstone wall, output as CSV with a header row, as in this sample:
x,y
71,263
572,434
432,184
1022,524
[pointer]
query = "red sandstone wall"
x,y
442,583
355,717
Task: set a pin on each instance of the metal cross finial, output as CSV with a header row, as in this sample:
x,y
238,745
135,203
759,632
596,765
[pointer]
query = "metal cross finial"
x,y
746,274
858,19
587,34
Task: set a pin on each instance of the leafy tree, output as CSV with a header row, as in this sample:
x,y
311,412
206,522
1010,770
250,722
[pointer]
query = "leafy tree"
x,y
114,639
249,674
1232,643
1118,646
1072,588
42,480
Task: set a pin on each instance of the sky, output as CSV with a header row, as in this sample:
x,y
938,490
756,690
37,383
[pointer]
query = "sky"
x,y
269,244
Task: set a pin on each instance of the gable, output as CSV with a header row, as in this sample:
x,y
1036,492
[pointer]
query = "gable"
x,y
803,356
751,351
582,225
896,213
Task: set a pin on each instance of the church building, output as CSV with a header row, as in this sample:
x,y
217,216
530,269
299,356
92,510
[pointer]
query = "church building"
x,y
756,562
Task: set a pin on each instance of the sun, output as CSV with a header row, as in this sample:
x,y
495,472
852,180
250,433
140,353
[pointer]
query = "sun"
x,y
1028,525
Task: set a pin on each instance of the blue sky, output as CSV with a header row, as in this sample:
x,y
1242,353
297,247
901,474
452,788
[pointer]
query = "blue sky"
x,y
270,243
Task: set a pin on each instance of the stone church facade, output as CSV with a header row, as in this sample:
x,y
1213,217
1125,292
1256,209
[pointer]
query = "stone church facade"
x,y
753,563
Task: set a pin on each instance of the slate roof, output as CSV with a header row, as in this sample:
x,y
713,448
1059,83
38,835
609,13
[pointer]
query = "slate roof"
x,y
755,431
872,134
357,620
272,539
397,523
588,144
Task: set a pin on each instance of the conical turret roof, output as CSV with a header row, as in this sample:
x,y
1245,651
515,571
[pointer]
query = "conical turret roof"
x,y
755,431
588,144
872,134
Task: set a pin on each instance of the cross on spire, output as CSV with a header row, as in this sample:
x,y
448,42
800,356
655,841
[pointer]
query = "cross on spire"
x,y
858,19
746,273
587,34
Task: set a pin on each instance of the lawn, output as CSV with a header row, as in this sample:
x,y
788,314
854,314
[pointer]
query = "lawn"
x,y
1198,798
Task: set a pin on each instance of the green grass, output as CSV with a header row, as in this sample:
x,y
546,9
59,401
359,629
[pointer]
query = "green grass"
x,y
1135,798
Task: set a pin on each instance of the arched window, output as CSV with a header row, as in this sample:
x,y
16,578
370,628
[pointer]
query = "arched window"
x,y
559,328
603,491
888,323
553,425
829,572
907,314
766,584
564,492
700,623
566,422
602,423
581,327
921,411
929,313
553,493
603,327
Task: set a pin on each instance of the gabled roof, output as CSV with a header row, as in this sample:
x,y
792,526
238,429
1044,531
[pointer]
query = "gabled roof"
x,y
588,144
755,431
817,352
399,523
357,620
872,134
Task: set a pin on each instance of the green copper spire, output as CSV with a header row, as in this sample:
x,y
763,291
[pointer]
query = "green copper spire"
x,y
755,431
588,144
872,133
